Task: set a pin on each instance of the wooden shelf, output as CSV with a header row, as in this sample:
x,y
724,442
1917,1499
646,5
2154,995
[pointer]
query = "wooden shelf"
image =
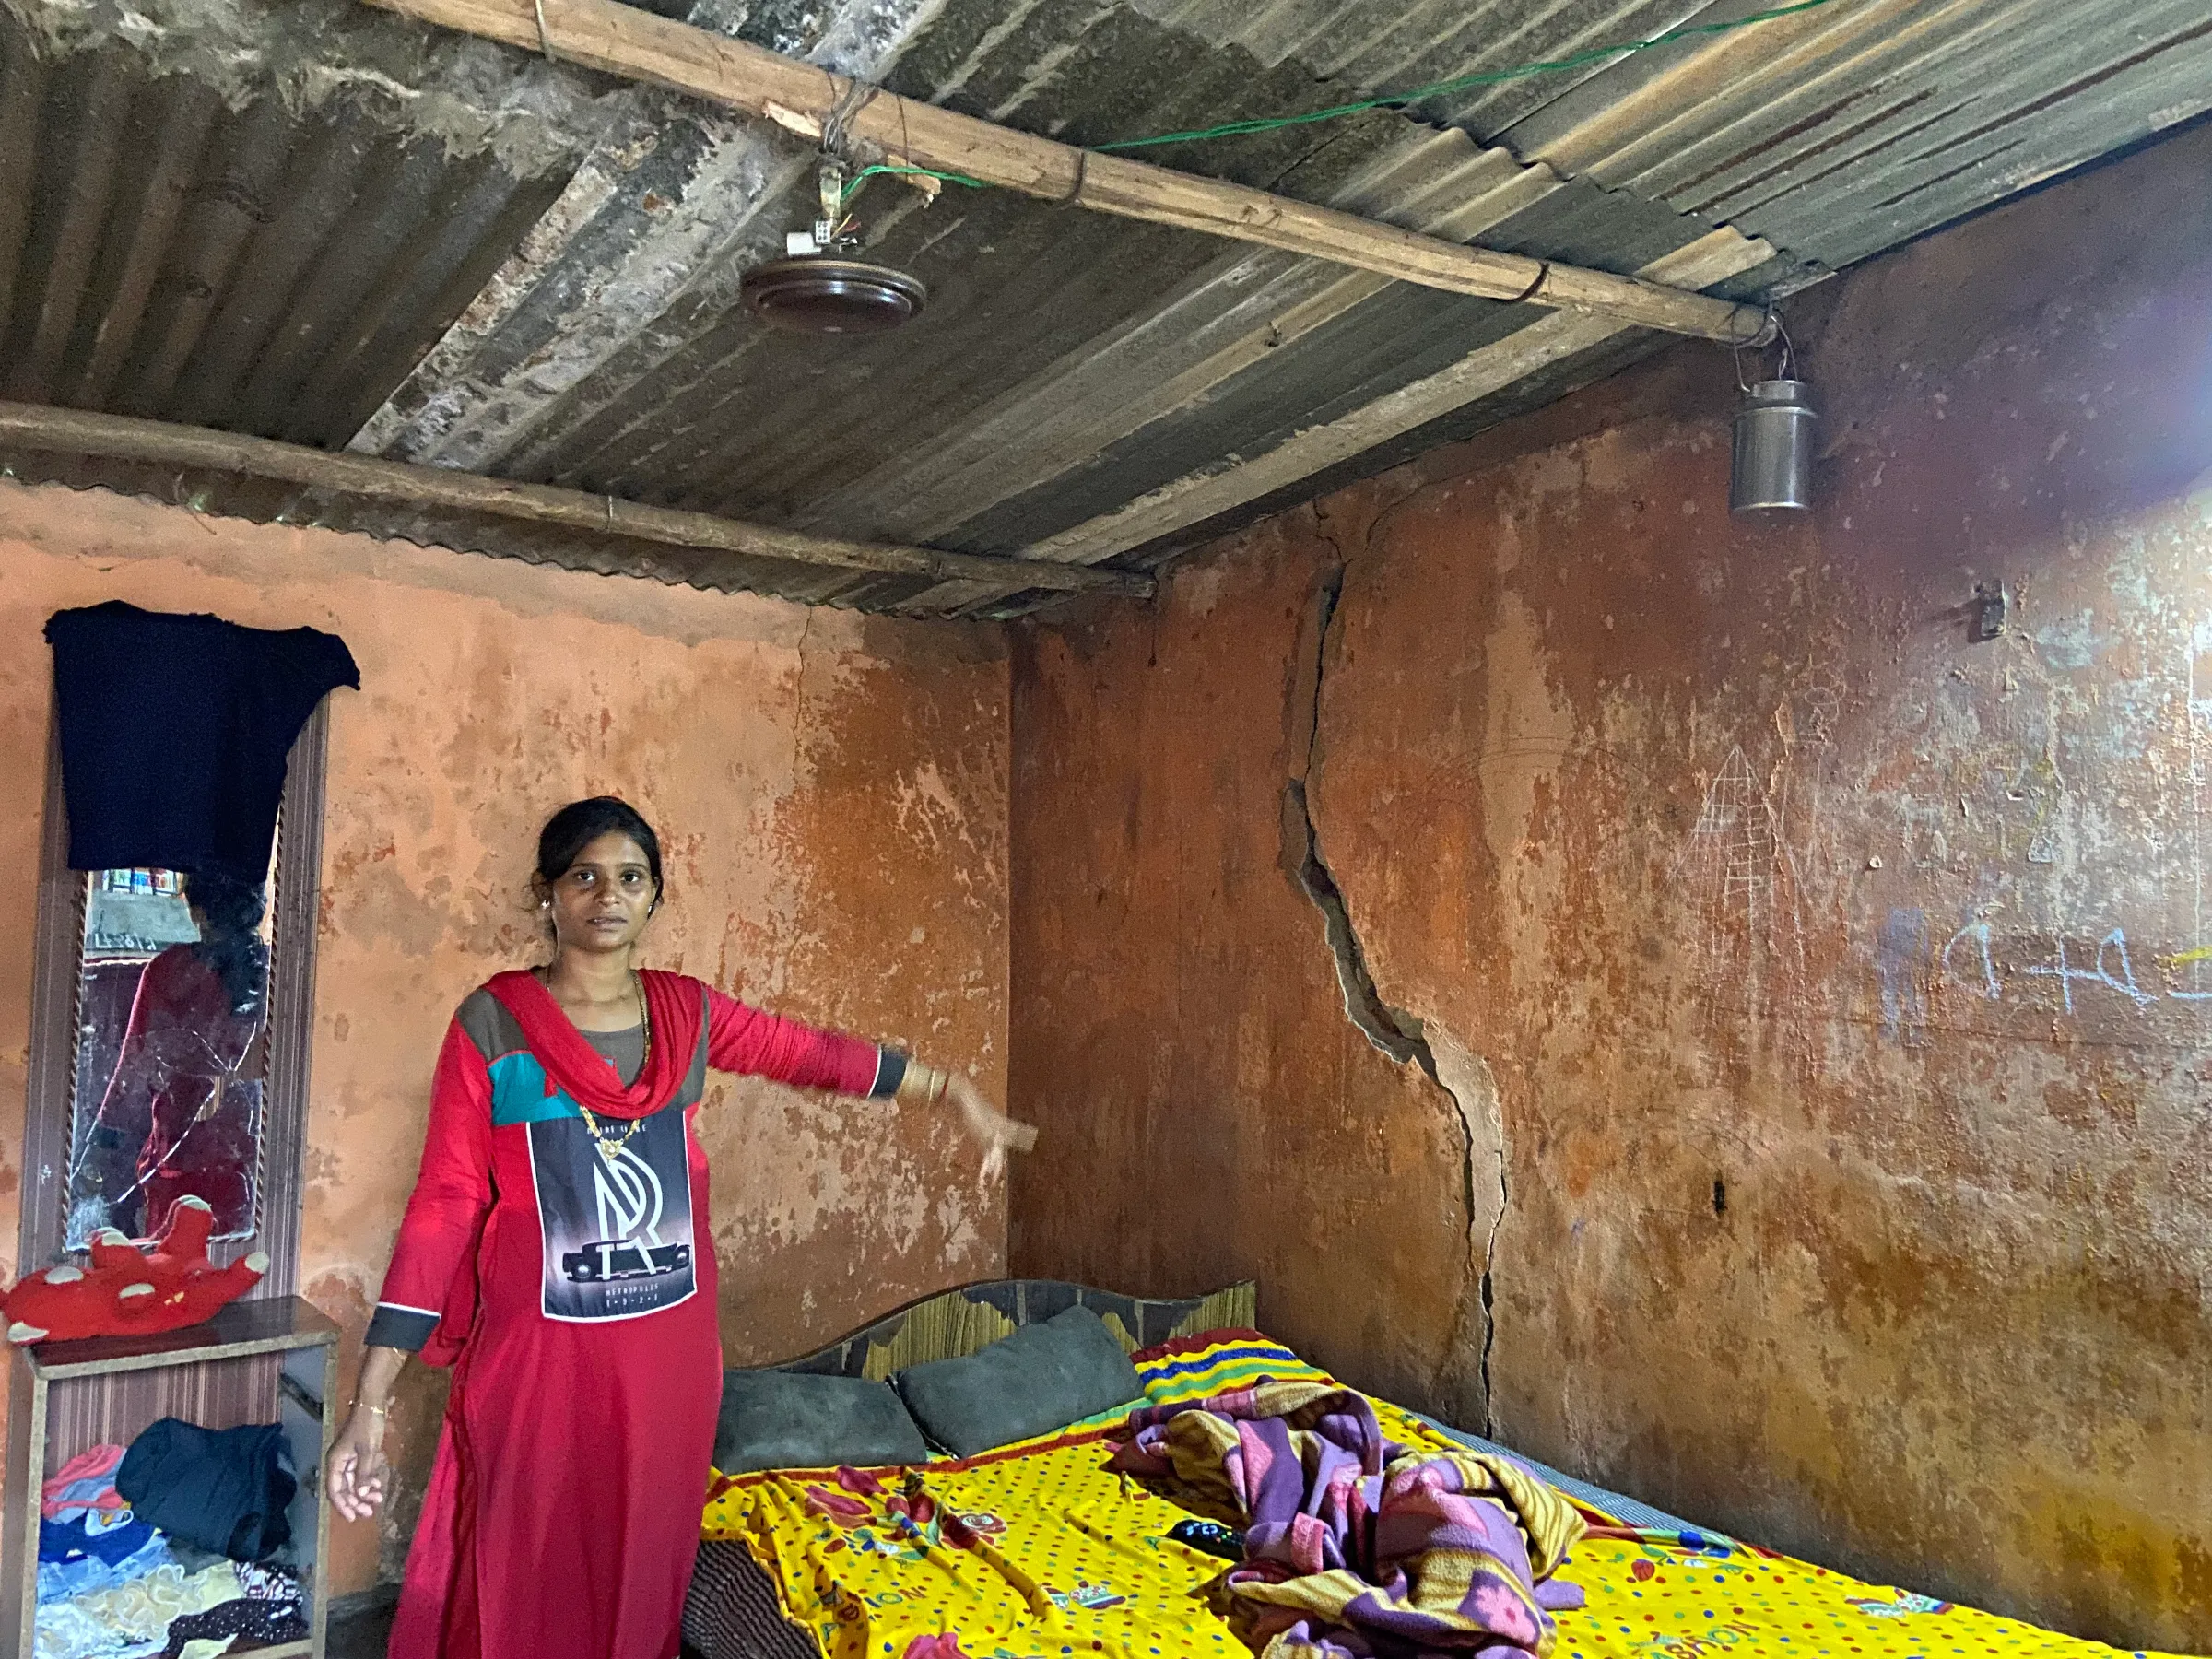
x,y
114,1385
273,1326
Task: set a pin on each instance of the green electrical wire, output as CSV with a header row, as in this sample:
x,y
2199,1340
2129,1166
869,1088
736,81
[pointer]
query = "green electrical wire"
x,y
852,188
1387,100
1460,83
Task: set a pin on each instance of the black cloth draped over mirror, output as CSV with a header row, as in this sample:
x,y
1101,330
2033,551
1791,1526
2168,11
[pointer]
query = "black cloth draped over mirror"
x,y
175,730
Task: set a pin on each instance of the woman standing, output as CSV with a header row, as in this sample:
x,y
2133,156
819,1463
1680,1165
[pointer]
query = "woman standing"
x,y
556,1253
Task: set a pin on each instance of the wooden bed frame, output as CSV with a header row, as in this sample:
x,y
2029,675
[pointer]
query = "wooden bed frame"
x,y
952,1325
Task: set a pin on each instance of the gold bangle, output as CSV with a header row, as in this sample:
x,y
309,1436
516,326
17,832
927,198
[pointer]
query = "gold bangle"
x,y
917,1082
382,1411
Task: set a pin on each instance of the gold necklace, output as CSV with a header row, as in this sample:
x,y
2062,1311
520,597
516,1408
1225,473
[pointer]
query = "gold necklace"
x,y
611,1147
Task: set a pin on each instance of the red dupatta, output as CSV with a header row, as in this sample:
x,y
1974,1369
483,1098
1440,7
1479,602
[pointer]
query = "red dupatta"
x,y
574,1065
675,1011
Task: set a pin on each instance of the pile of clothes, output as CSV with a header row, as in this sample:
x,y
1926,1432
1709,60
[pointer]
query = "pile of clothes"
x,y
179,1545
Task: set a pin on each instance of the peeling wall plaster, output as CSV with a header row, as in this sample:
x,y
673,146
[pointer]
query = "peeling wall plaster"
x,y
832,794
1826,997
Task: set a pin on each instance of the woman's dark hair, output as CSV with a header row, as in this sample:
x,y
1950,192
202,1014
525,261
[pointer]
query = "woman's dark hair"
x,y
231,909
576,826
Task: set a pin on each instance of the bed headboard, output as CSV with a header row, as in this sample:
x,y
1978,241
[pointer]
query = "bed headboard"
x,y
954,1324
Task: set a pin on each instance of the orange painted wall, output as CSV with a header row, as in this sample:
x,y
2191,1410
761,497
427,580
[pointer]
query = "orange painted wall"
x,y
1820,1142
831,791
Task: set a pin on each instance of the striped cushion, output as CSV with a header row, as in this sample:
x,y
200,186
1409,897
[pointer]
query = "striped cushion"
x,y
1216,1362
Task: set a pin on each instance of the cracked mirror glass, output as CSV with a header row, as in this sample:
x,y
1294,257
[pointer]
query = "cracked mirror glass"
x,y
171,1067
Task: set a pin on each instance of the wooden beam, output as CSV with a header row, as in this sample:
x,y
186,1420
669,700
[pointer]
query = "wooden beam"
x,y
627,40
120,438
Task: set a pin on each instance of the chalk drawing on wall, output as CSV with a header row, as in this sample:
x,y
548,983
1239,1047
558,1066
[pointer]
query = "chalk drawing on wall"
x,y
1735,873
1900,954
2042,787
1738,826
1815,708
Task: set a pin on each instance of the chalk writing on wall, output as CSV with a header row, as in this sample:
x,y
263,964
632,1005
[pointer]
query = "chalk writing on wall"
x,y
1971,961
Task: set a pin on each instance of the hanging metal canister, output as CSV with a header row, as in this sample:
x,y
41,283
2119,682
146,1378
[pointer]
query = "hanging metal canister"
x,y
1772,466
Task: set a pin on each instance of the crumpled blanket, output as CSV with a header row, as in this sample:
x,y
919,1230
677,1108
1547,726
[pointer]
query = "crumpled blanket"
x,y
1355,1547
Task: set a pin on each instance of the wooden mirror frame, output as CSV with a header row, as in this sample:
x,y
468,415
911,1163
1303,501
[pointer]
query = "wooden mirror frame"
x,y
56,976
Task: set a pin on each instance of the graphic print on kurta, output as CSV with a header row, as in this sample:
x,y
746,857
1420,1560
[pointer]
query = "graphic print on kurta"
x,y
616,1231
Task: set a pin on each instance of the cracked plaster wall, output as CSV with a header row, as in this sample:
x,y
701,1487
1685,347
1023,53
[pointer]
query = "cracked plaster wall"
x,y
1825,992
831,791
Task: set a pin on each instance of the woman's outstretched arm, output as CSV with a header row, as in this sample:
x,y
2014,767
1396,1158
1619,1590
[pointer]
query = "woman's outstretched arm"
x,y
743,1039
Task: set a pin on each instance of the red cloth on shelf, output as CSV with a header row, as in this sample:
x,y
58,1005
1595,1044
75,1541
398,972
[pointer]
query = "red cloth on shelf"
x,y
562,1513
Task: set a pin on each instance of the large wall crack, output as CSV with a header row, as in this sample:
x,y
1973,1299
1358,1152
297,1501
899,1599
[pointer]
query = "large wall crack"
x,y
1393,1030
1488,1281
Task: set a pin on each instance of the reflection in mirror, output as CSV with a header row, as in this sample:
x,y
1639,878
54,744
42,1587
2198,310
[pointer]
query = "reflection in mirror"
x,y
171,1052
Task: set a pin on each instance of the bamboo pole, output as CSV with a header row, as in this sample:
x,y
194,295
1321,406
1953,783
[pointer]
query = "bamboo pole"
x,y
122,438
627,41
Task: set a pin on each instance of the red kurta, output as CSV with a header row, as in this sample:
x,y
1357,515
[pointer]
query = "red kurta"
x,y
562,1518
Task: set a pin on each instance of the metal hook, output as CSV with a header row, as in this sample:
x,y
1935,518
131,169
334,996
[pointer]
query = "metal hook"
x,y
1775,330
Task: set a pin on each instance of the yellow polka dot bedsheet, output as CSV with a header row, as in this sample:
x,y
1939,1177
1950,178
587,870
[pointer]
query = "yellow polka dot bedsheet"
x,y
1039,1551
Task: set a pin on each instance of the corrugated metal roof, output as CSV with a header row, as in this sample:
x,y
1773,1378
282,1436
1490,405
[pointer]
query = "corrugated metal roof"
x,y
1835,134
166,254
281,266
1889,121
1028,394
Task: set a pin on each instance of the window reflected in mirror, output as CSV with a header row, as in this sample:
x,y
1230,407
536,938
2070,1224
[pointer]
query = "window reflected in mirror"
x,y
171,1071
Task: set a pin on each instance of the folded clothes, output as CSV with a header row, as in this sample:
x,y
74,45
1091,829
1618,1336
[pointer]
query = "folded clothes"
x,y
58,1581
86,1481
265,1583
102,1534
225,1489
66,1632
259,1622
133,1618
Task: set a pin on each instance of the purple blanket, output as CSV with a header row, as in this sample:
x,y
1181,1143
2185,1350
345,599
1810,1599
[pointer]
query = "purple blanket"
x,y
1356,1548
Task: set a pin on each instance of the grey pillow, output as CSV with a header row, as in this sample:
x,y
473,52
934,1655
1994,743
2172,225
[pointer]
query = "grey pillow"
x,y
1042,1378
784,1420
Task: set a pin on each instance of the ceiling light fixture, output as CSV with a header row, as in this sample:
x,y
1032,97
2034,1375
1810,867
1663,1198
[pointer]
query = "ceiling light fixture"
x,y
819,287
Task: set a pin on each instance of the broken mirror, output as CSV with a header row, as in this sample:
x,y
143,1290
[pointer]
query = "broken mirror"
x,y
171,1067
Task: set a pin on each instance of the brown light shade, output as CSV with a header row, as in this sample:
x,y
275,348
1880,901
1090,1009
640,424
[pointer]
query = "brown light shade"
x,y
821,293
